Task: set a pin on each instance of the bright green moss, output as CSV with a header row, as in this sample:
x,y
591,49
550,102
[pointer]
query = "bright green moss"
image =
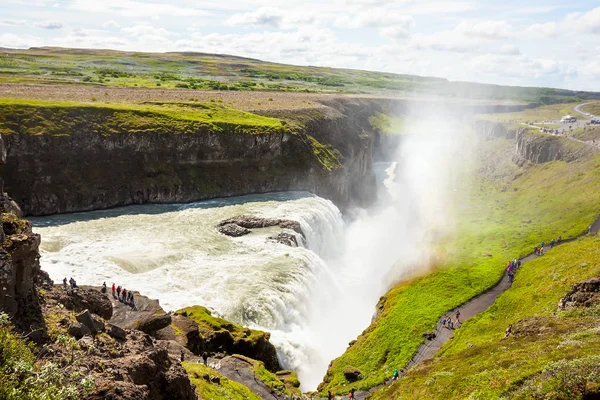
x,y
226,389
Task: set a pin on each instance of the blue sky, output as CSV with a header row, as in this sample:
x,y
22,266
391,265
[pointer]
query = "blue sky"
x,y
530,43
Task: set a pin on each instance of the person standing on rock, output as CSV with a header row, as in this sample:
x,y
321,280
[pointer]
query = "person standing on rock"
x,y
124,293
351,394
65,283
396,374
131,302
104,289
119,292
458,316
205,358
330,395
113,289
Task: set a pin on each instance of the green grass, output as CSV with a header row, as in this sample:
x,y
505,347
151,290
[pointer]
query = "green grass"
x,y
62,118
479,363
226,389
272,380
593,108
551,112
218,72
500,215
388,124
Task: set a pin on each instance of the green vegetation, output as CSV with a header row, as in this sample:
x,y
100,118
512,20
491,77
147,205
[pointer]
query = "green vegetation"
x,y
209,323
552,112
226,389
388,124
199,71
287,385
548,355
25,378
62,118
593,108
327,156
502,211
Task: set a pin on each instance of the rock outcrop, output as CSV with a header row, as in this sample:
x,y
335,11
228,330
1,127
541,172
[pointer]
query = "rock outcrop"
x,y
145,314
583,294
539,148
243,225
221,336
495,130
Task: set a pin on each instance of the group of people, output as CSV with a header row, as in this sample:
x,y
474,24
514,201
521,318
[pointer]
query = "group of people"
x,y
72,284
511,268
122,294
448,323
539,250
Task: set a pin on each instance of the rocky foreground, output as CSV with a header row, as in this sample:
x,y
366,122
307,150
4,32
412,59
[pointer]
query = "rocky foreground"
x,y
99,347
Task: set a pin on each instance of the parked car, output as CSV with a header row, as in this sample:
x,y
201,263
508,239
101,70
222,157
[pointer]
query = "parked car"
x,y
567,119
595,121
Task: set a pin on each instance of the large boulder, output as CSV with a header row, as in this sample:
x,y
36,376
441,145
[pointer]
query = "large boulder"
x,y
92,324
86,299
241,225
146,314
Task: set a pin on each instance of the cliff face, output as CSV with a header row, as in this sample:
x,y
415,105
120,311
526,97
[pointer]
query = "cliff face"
x,y
495,130
81,170
540,148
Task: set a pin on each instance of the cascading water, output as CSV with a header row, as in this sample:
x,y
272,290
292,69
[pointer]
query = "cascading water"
x,y
175,254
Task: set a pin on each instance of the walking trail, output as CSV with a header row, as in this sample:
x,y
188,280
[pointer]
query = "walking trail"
x,y
469,309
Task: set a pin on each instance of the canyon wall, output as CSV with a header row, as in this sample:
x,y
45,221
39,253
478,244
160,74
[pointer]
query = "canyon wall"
x,y
327,152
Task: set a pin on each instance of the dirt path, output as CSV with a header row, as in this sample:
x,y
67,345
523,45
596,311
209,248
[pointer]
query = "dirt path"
x,y
469,309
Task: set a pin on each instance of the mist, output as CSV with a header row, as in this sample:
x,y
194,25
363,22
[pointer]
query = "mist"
x,y
392,240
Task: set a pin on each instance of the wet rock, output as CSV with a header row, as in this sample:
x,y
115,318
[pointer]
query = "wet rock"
x,y
233,230
150,325
285,238
351,374
254,222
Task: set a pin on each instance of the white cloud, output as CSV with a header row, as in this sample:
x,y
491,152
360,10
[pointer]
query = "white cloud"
x,y
139,9
487,29
13,22
264,16
10,40
547,30
49,25
508,49
145,30
395,32
584,22
111,24
377,18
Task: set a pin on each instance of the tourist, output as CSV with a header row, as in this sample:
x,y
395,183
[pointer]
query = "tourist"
x,y
113,289
205,358
131,303
72,283
104,289
552,242
351,394
124,295
541,251
396,374
65,283
119,292
543,244
559,240
518,263
330,395
450,323
590,230
457,315
182,356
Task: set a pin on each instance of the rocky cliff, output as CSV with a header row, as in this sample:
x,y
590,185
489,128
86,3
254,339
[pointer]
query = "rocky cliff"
x,y
73,167
539,148
495,130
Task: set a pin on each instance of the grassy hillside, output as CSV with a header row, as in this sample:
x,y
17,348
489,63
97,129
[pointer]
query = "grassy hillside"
x,y
225,389
220,72
502,212
550,354
59,118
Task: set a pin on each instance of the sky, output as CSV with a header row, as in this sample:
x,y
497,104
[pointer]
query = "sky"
x,y
550,43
